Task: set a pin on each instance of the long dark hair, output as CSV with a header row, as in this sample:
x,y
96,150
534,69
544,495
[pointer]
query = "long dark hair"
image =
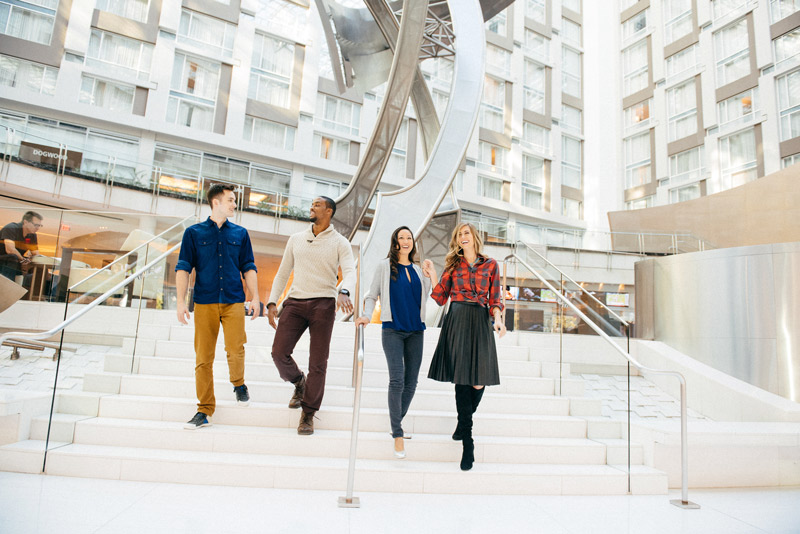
x,y
394,250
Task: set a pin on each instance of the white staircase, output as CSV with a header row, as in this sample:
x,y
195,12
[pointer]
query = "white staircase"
x,y
528,439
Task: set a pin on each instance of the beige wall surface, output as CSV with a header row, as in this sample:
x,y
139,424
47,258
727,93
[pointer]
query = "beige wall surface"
x,y
764,211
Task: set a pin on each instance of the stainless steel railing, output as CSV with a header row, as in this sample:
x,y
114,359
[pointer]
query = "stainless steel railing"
x,y
684,500
348,501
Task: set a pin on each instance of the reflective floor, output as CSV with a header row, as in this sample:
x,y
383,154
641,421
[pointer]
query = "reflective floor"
x,y
47,504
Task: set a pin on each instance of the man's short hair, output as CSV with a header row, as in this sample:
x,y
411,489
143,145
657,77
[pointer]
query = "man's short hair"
x,y
331,204
31,215
216,190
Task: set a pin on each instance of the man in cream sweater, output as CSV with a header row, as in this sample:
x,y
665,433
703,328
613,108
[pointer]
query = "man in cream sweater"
x,y
315,255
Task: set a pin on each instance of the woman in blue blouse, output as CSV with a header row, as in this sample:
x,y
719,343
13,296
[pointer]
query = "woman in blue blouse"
x,y
403,289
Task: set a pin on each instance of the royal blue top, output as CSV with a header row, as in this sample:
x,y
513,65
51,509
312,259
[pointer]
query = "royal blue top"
x,y
405,298
219,255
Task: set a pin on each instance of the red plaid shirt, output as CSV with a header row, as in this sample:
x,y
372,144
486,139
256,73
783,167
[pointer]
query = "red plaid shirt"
x,y
479,283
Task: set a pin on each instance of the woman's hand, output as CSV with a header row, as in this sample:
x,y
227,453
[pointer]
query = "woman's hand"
x,y
362,321
429,270
499,324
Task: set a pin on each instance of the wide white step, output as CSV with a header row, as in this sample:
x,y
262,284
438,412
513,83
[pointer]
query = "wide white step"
x,y
326,473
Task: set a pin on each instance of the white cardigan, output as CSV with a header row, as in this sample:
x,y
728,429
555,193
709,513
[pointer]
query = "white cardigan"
x,y
380,288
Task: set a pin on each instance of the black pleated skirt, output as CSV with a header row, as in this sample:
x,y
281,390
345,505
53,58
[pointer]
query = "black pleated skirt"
x,y
466,353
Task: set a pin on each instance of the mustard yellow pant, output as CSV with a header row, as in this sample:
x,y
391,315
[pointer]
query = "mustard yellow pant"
x,y
207,320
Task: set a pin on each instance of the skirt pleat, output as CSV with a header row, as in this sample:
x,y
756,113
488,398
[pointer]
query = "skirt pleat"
x,y
466,353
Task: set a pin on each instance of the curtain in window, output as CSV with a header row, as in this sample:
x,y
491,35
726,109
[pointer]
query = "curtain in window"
x,y
30,25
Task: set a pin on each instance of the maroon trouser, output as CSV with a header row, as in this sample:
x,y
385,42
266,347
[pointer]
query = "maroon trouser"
x,y
316,315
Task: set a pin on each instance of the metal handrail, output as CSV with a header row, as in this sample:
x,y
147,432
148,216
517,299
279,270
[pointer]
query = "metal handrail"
x,y
99,300
73,286
609,310
684,501
348,501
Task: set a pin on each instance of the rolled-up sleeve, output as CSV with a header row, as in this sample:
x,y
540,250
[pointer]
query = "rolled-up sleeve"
x,y
442,290
495,288
188,253
246,260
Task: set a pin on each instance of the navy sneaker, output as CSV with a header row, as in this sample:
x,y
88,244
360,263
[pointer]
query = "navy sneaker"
x,y
242,396
199,419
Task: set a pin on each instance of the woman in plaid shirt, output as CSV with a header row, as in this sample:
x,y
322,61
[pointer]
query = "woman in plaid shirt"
x,y
466,354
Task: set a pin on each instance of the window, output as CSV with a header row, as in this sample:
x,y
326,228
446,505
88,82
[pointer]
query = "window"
x,y
740,108
269,133
440,99
271,71
638,115
210,34
535,136
636,25
397,161
118,55
498,60
490,188
497,24
570,71
317,187
625,4
108,95
780,9
493,104
282,17
494,229
640,203
532,181
131,9
687,166
534,87
439,70
33,77
31,20
724,7
732,52
788,161
682,110
682,62
738,158
571,118
225,169
124,152
789,104
492,157
332,148
687,192
787,48
637,160
571,159
572,5
634,68
570,32
268,180
535,9
338,114
193,92
677,19
571,208
537,46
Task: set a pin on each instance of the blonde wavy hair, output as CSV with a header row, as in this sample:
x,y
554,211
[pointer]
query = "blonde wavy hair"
x,y
455,253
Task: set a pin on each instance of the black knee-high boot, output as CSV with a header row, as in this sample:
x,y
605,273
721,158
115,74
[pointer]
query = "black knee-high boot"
x,y
464,408
475,397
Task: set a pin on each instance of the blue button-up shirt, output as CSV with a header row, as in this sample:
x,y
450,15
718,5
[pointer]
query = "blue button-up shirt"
x,y
219,255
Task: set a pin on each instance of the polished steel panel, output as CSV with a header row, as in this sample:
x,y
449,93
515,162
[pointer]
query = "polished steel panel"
x,y
735,309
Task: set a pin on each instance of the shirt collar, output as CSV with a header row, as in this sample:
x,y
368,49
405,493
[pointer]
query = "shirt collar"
x,y
212,224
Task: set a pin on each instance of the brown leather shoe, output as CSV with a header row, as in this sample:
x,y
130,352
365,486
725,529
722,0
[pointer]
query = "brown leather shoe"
x,y
299,391
306,426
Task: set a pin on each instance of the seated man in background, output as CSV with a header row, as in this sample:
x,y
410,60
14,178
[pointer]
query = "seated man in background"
x,y
19,244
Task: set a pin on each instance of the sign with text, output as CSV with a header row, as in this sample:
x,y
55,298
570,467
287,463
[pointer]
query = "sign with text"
x,y
50,155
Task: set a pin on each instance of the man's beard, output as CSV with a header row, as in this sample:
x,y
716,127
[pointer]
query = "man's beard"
x,y
313,218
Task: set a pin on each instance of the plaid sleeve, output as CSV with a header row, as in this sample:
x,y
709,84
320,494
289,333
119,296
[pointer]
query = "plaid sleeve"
x,y
495,289
442,290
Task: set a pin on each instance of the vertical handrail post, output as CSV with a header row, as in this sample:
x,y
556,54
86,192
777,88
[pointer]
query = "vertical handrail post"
x,y
348,501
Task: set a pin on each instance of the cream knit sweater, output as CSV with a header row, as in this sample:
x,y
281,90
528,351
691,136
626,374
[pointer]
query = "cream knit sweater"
x,y
315,261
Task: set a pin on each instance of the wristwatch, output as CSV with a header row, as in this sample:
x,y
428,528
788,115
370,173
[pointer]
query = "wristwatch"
x,y
344,292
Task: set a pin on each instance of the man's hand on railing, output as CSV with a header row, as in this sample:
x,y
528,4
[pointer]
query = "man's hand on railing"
x,y
362,321
183,313
272,315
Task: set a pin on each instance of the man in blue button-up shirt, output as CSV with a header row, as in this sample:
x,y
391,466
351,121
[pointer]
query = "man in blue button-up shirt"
x,y
221,255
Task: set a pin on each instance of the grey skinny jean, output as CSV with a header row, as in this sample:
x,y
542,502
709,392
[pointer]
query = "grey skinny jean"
x,y
403,356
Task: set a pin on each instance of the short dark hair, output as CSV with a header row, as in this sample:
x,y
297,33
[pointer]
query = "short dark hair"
x,y
331,204
31,215
216,190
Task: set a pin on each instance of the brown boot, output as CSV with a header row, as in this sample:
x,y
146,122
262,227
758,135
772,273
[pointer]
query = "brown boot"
x,y
299,391
306,426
